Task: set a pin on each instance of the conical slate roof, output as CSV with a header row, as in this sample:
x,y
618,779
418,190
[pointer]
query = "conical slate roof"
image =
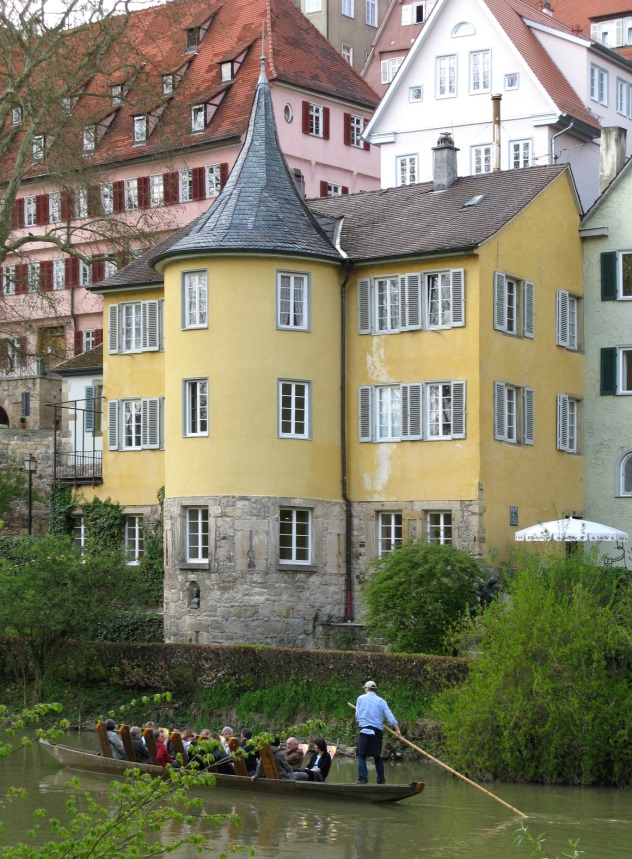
x,y
259,209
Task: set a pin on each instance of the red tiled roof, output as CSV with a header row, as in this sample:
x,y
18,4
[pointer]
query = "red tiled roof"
x,y
579,12
155,40
511,15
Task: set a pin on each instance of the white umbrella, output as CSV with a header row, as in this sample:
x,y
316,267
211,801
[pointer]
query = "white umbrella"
x,y
563,530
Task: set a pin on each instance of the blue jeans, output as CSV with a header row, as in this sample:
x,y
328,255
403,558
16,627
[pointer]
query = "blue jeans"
x,y
379,768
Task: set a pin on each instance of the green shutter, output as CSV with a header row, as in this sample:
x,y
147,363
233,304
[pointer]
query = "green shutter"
x,y
608,371
609,276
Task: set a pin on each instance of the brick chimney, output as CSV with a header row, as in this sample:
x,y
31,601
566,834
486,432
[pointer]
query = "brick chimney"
x,y
611,154
444,168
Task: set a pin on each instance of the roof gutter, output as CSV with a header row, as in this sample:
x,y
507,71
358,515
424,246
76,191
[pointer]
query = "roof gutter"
x,y
563,131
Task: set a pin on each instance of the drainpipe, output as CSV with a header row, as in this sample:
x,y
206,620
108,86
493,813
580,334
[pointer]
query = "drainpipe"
x,y
343,441
496,99
563,131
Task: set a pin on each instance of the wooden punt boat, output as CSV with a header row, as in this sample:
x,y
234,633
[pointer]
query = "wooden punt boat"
x,y
78,759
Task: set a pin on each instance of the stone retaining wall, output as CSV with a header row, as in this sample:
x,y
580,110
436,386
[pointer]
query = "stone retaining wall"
x,y
15,444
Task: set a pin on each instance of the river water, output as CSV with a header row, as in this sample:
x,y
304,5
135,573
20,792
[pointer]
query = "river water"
x,y
449,819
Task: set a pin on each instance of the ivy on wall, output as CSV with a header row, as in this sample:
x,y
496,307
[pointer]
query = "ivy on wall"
x,y
61,504
104,523
152,562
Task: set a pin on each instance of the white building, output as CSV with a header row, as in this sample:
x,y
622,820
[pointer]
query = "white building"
x,y
558,90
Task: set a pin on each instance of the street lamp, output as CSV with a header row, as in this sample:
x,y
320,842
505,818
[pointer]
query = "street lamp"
x,y
30,465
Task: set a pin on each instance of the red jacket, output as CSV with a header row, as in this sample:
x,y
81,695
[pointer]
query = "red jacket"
x,y
162,754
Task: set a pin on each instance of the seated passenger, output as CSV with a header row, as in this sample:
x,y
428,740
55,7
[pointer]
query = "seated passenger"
x,y
116,743
251,755
196,755
226,737
284,770
187,737
162,753
293,754
221,759
140,749
320,762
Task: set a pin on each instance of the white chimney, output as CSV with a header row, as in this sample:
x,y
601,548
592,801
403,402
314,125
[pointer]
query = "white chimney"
x,y
611,154
444,166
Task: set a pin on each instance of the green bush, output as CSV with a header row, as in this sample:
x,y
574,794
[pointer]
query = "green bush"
x,y
131,626
549,697
417,592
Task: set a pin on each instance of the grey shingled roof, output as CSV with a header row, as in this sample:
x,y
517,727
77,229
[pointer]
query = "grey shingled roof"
x,y
259,209
415,220
92,360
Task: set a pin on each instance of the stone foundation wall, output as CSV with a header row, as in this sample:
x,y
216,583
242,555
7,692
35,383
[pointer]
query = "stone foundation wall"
x,y
43,390
15,444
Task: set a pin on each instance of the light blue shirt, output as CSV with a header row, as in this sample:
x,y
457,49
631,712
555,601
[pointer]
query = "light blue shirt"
x,y
371,710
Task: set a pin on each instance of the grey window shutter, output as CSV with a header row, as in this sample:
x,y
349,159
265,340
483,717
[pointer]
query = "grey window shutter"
x,y
608,381
365,397
500,290
500,429
458,409
151,328
25,404
609,276
411,315
562,422
161,410
161,324
457,303
113,425
529,309
150,423
364,306
113,329
411,411
562,318
88,424
529,415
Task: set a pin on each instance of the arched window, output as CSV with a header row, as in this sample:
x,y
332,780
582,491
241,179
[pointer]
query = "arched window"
x,y
464,29
624,474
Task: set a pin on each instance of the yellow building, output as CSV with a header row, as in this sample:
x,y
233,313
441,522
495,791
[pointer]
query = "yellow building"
x,y
313,384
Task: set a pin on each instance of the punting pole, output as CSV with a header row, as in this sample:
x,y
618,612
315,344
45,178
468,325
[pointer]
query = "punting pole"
x,y
449,769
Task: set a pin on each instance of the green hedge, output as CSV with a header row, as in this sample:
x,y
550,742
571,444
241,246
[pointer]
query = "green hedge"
x,y
132,626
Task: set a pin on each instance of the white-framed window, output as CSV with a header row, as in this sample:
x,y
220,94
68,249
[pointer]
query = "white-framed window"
x,y
30,216
89,139
59,274
67,105
512,80
312,6
140,130
439,527
357,127
109,268
33,276
514,413
194,37
8,279
388,413
568,423
347,8
106,192
293,299
389,531
132,424
445,76
226,71
16,115
295,536
196,534
131,326
463,28
598,84
334,189
624,275
156,191
388,68
186,185
346,52
520,154
294,409
413,13
444,410
38,149
624,475
388,401
54,207
195,299
167,84
88,339
134,539
371,13
85,273
213,180
316,120
131,194
117,95
514,305
568,321
81,203
79,531
416,93
135,423
480,71
198,118
195,409
408,302
481,157
625,370
406,170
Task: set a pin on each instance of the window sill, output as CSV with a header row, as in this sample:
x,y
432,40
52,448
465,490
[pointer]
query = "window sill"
x,y
193,565
297,568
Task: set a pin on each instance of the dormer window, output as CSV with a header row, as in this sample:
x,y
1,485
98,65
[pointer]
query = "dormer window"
x,y
16,115
227,72
198,118
117,95
140,130
38,148
89,139
66,106
193,38
167,84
